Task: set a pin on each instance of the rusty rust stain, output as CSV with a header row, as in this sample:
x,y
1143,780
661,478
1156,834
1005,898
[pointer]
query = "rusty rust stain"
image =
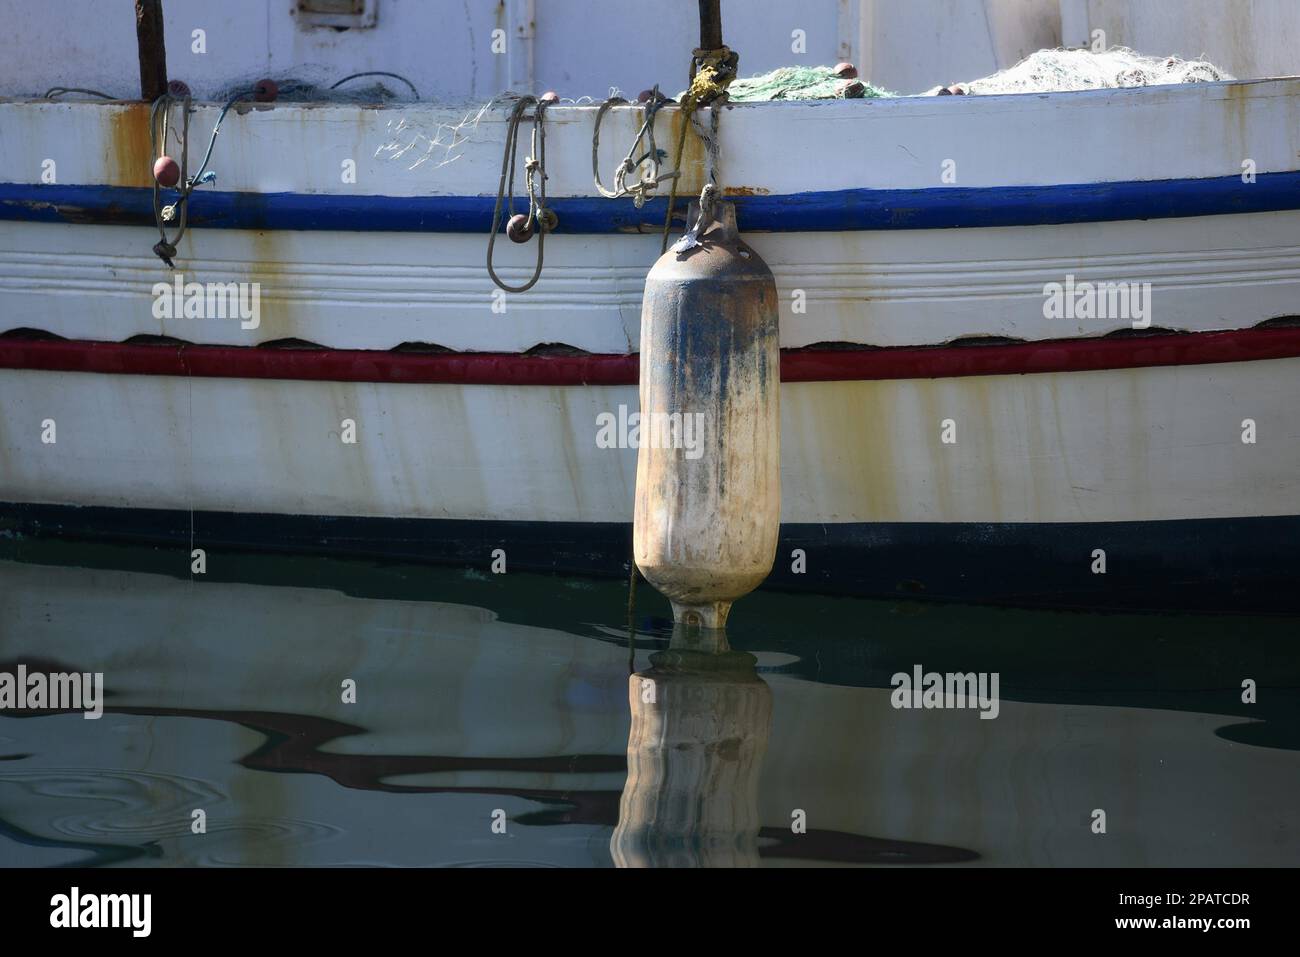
x,y
130,157
692,167
746,191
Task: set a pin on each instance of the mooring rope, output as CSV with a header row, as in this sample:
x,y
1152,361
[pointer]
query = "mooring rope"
x,y
711,73
539,218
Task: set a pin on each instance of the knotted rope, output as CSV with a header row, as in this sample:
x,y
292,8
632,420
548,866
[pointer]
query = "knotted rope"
x,y
650,179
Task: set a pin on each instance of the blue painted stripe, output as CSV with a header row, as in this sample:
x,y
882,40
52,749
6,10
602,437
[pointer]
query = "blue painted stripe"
x,y
836,210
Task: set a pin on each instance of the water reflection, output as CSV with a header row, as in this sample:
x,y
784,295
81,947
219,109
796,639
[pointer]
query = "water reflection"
x,y
701,720
478,694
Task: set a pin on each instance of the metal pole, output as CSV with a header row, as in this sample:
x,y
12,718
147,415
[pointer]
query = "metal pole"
x,y
153,55
710,24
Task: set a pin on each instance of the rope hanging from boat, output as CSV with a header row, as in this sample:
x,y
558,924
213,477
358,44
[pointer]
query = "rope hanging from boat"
x,y
539,219
159,127
650,178
711,73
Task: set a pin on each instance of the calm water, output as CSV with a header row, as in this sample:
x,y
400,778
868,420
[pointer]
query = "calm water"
x,y
506,699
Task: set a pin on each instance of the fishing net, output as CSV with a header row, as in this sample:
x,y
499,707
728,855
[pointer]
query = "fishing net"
x,y
417,140
1060,71
800,83
298,90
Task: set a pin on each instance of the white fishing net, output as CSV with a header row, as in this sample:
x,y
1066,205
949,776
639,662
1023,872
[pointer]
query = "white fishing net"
x,y
417,140
1060,71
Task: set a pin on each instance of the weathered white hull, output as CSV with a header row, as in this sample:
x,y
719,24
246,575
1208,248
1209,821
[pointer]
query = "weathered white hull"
x,y
1127,445
916,287
888,277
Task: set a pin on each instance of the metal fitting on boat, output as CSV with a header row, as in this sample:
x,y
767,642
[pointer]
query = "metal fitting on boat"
x,y
547,220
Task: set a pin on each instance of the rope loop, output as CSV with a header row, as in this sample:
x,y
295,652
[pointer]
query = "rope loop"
x,y
540,218
159,128
650,178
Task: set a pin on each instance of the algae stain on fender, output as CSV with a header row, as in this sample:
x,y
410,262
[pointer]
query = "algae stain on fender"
x,y
706,527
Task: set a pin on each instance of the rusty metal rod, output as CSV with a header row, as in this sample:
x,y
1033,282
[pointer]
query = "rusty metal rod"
x,y
710,24
153,54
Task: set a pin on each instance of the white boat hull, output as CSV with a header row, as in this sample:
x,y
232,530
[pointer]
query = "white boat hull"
x,y
993,471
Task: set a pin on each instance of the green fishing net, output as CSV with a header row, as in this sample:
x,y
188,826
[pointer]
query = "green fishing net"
x,y
800,83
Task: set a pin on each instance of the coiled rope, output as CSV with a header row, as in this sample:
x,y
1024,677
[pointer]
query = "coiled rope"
x,y
539,218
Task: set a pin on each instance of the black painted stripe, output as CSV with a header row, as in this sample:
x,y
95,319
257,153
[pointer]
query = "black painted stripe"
x,y
1231,564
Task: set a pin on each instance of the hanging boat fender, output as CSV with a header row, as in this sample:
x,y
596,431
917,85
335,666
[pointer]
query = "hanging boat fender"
x,y
708,487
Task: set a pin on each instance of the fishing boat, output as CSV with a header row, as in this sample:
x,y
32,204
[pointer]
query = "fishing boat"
x,y
1035,348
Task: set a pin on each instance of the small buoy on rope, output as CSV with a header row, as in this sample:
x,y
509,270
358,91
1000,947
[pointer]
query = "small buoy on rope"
x,y
708,484
178,88
540,219
846,71
166,171
265,91
519,228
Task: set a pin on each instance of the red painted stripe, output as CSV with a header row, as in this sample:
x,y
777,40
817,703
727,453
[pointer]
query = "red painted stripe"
x,y
797,365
